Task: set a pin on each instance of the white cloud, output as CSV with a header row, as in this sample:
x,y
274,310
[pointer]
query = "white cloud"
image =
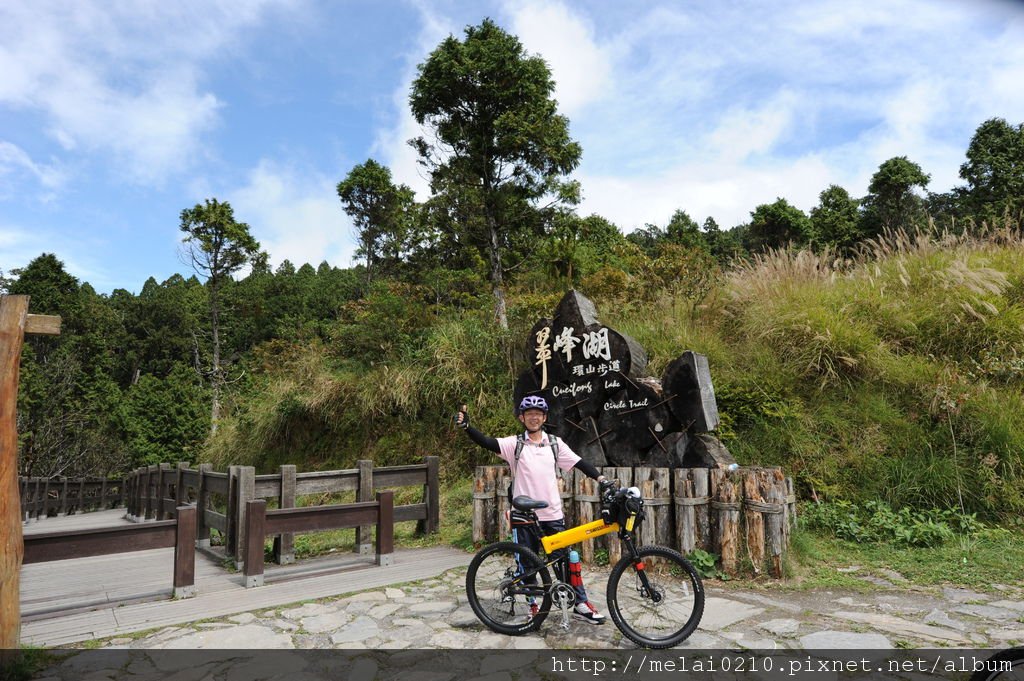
x,y
580,67
295,214
15,161
122,78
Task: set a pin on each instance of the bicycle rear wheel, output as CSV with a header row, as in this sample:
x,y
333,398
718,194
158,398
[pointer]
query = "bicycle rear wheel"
x,y
502,581
655,603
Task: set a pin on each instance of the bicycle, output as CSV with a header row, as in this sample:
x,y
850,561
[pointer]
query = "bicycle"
x,y
655,597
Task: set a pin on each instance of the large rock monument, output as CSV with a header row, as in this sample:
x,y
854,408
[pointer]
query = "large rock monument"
x,y
606,407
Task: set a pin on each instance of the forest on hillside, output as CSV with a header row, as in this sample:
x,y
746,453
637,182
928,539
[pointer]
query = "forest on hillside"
x,y
872,346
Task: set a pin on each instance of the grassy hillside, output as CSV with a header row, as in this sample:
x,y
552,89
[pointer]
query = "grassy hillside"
x,y
894,375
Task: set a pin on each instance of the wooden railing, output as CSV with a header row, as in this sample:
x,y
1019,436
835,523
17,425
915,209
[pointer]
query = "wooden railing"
x,y
179,533
42,496
154,492
260,523
746,512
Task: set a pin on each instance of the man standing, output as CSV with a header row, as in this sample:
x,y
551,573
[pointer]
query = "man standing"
x,y
534,458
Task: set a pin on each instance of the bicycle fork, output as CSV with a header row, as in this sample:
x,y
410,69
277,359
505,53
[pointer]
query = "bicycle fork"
x,y
645,589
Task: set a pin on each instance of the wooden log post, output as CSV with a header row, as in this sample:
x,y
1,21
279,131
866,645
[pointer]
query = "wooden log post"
x,y
185,552
385,545
431,497
726,506
284,543
485,485
63,497
148,481
504,505
624,477
587,510
253,538
691,500
364,533
202,504
180,488
775,520
15,323
245,494
754,481
164,491
103,493
791,522
656,492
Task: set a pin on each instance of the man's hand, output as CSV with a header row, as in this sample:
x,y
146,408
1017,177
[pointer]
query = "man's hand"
x,y
462,417
606,486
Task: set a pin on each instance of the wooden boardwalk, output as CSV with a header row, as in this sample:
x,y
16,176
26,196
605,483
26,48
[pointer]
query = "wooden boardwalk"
x,y
70,601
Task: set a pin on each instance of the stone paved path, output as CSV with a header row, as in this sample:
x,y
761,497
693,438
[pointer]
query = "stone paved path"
x,y
434,614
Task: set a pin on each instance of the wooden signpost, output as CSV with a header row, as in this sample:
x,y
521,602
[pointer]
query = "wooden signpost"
x,y
15,322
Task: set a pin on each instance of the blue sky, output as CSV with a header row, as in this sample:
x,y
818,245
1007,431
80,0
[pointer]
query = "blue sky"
x,y
114,116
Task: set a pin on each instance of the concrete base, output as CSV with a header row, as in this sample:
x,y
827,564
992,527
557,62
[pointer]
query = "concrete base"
x,y
385,559
184,591
365,549
254,580
287,559
203,543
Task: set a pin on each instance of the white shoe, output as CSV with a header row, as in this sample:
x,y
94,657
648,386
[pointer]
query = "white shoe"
x,y
588,613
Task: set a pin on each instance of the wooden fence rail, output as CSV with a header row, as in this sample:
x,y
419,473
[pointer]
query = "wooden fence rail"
x,y
743,515
222,498
40,496
179,533
261,523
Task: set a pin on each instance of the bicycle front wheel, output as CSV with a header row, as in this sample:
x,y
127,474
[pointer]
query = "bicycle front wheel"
x,y
503,582
656,600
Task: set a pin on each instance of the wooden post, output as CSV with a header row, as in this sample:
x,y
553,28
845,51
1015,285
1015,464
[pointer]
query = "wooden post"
x,y
245,492
565,491
624,476
775,520
15,322
180,489
432,497
504,506
753,481
63,497
587,501
484,486
185,552
203,503
691,500
385,527
726,504
253,537
163,491
147,492
284,543
654,490
364,533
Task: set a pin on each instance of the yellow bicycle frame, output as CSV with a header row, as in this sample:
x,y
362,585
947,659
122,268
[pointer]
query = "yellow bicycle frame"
x,y
577,534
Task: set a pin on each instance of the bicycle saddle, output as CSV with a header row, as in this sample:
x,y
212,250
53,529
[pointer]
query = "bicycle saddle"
x,y
523,503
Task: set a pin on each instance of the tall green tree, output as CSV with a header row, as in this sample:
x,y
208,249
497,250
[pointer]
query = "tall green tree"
x,y
684,231
777,225
994,170
496,140
836,218
891,202
216,246
382,213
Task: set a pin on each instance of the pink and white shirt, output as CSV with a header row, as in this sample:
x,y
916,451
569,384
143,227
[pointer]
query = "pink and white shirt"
x,y
534,473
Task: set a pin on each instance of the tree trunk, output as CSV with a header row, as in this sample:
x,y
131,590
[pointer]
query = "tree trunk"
x,y
497,276
215,376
